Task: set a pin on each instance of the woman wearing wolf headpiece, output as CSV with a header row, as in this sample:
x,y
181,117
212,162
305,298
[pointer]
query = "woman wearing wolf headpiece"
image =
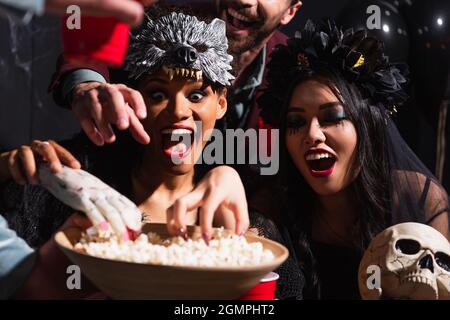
x,y
181,67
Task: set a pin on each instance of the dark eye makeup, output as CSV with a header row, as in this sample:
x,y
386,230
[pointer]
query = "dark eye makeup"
x,y
295,122
334,116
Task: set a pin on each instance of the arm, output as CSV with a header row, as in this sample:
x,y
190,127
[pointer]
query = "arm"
x,y
98,104
48,277
16,261
22,10
422,197
437,209
69,74
128,11
41,274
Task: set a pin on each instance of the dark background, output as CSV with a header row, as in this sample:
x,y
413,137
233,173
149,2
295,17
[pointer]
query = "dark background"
x,y
27,60
28,55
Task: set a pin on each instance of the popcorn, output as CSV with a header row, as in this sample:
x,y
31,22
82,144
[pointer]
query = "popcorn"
x,y
224,250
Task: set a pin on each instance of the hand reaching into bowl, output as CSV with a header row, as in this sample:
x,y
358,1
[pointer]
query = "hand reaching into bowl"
x,y
102,204
220,195
62,176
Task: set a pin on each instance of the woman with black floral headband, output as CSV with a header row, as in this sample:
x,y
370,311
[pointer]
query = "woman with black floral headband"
x,y
346,174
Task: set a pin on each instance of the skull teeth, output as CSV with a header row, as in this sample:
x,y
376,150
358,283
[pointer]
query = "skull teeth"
x,y
418,279
198,75
185,72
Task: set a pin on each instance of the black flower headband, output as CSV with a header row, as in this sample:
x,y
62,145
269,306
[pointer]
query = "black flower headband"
x,y
357,57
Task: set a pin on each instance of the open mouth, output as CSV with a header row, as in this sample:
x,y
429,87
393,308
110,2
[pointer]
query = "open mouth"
x,y
320,162
240,21
182,72
177,142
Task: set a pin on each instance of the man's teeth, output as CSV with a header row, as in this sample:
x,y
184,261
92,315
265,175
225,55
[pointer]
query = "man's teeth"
x,y
318,156
239,16
176,131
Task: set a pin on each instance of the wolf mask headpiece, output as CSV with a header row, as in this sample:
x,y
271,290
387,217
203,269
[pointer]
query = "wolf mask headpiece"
x,y
181,45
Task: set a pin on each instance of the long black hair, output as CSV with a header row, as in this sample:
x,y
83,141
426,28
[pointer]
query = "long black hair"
x,y
370,188
391,184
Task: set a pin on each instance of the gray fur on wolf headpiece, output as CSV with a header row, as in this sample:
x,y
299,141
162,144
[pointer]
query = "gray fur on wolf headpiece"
x,y
181,45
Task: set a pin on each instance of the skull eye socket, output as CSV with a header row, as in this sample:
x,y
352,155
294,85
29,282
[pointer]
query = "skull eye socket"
x,y
407,246
443,261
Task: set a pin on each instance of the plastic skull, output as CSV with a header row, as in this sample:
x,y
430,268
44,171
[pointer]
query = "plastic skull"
x,y
412,261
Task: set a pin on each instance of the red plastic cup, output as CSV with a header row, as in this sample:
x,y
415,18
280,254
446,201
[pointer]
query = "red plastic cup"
x,y
99,39
264,290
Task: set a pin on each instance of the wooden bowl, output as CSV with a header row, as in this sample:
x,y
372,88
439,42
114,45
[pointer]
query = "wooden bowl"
x,y
128,280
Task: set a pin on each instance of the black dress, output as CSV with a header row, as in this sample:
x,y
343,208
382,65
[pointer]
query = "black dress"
x,y
292,281
337,268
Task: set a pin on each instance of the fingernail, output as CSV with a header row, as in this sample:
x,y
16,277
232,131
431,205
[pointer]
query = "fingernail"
x,y
125,236
122,123
75,164
133,234
206,237
241,234
182,233
104,225
99,139
142,114
111,139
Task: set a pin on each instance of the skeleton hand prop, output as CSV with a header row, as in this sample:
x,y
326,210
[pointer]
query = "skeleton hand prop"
x,y
406,261
102,204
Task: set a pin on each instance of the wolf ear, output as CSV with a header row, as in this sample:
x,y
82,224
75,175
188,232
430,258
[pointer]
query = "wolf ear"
x,y
219,26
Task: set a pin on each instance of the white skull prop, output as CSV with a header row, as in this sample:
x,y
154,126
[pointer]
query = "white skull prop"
x,y
413,261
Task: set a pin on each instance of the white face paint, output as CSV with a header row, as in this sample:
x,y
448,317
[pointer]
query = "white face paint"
x,y
414,260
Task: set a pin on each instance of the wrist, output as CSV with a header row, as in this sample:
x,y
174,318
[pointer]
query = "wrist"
x,y
80,89
76,79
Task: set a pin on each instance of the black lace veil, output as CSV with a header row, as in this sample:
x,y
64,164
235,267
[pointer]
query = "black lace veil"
x,y
416,195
